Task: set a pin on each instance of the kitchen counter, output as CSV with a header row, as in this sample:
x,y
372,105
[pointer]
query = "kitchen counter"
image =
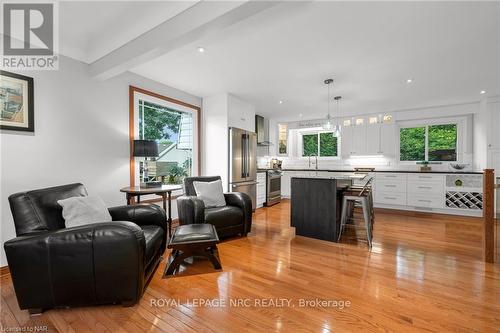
x,y
393,171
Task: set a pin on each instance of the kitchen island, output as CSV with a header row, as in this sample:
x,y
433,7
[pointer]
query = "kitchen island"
x,y
316,206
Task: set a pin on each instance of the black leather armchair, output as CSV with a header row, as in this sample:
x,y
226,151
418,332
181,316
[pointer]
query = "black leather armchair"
x,y
233,219
100,263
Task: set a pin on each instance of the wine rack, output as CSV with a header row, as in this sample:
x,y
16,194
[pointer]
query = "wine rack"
x,y
464,200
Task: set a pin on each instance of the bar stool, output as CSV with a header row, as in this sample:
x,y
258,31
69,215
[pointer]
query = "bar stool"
x,y
361,197
368,190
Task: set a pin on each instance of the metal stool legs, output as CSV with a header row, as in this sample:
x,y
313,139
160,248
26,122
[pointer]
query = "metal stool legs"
x,y
349,203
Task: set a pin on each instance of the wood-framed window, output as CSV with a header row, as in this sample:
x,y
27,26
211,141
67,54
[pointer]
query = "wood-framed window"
x,y
175,125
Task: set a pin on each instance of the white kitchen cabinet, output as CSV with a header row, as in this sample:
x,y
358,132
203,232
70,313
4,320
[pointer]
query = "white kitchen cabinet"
x,y
261,189
346,141
370,139
380,139
390,188
359,140
373,139
353,141
493,108
286,184
388,139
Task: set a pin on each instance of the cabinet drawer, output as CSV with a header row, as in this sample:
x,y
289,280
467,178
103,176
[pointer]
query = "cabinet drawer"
x,y
425,201
261,176
391,176
390,198
425,177
390,186
426,188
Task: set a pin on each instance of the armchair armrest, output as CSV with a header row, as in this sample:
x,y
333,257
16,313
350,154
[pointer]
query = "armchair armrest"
x,y
243,201
140,215
95,263
191,210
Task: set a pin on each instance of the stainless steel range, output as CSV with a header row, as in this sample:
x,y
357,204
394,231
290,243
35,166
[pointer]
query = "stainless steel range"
x,y
273,195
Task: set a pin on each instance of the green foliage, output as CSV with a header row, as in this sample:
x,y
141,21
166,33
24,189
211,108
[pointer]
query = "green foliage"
x,y
282,147
159,122
309,144
412,144
443,142
327,144
176,174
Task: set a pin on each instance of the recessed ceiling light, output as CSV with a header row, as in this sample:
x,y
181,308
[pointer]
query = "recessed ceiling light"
x,y
482,92
281,102
201,49
409,81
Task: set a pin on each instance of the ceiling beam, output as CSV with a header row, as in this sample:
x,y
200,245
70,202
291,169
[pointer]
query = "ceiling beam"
x,y
202,20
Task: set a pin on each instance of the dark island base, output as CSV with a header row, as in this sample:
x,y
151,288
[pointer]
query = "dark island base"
x,y
316,207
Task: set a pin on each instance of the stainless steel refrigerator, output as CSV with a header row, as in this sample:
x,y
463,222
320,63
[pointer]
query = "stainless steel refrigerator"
x,y
243,162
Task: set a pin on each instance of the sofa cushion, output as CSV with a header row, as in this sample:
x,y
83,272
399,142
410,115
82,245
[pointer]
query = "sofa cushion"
x,y
224,216
211,193
79,211
153,236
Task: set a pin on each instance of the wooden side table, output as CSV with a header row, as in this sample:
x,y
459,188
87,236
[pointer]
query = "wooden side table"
x,y
165,192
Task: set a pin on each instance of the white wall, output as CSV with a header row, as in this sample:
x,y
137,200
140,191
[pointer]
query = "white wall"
x,y
220,112
215,137
81,135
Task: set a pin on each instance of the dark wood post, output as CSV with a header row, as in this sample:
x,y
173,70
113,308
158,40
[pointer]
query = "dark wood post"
x,y
489,215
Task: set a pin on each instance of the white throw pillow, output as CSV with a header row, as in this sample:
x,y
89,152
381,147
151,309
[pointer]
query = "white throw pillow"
x,y
84,210
211,193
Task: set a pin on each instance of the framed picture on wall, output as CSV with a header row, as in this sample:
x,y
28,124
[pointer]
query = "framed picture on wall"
x,y
16,102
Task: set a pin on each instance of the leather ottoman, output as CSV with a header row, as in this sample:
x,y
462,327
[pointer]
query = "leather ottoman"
x,y
192,240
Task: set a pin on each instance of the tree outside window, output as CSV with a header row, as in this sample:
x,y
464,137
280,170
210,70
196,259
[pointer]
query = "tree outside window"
x,y
173,130
430,143
323,144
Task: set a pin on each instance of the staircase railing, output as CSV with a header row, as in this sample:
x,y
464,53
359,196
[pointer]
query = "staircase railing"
x,y
489,215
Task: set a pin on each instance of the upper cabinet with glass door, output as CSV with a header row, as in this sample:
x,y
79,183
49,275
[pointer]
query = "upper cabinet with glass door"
x,y
369,136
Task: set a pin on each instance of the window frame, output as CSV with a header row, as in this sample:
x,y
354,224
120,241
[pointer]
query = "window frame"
x,y
461,127
317,133
287,140
136,94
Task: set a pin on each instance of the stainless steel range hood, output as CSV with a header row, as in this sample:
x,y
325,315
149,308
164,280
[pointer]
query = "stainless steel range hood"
x,y
262,130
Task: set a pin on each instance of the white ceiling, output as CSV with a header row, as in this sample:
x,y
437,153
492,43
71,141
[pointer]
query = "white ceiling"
x,y
450,49
91,29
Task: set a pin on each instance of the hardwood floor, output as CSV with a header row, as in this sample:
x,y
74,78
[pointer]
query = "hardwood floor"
x,y
423,274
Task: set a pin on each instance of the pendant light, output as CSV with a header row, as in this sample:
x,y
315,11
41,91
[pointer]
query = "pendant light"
x,y
328,125
338,127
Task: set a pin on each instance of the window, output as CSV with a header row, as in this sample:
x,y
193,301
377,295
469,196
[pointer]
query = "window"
x,y
322,144
282,139
174,127
430,143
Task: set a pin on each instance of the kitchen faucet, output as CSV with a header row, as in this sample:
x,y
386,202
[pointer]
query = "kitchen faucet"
x,y
316,157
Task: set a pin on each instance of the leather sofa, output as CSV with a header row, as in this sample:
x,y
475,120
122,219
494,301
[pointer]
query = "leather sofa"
x,y
101,263
232,220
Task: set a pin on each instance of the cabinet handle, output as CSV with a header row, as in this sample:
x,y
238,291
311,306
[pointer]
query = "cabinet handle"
x,y
390,176
427,187
424,177
390,185
390,198
424,201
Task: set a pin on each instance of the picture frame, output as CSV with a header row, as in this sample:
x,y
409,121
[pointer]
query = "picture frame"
x,y
16,102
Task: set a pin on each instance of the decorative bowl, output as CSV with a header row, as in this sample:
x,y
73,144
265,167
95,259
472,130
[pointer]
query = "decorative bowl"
x,y
458,166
